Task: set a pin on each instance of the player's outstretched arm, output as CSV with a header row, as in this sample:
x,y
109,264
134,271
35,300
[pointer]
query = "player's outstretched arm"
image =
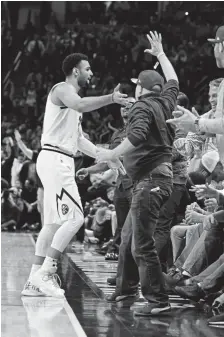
x,y
70,99
155,40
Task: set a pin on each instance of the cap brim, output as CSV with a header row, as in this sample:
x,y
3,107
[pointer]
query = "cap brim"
x,y
214,40
134,80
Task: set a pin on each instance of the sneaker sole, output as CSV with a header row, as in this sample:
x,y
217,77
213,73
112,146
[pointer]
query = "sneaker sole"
x,y
48,293
124,298
154,311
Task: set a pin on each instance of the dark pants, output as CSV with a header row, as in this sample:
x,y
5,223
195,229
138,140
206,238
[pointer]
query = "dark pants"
x,y
166,217
122,203
138,257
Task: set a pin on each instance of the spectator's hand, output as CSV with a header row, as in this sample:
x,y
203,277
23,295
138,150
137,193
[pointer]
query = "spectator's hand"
x,y
118,97
204,191
156,44
183,119
104,155
193,217
17,135
82,173
208,222
211,204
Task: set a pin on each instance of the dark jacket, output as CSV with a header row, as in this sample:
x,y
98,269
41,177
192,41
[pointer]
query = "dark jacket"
x,y
117,139
148,131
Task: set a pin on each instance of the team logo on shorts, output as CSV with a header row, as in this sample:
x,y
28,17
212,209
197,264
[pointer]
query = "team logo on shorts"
x,y
64,209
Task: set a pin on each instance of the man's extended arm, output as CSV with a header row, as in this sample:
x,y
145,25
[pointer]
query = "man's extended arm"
x,y
67,95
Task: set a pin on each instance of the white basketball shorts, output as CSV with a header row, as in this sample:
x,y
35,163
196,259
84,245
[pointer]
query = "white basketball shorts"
x,y
61,197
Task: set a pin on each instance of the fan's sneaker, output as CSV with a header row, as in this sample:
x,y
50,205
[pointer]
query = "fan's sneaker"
x,y
151,309
47,283
117,297
31,290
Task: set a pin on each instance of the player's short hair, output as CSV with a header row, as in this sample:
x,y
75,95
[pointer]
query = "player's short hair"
x,y
71,61
183,100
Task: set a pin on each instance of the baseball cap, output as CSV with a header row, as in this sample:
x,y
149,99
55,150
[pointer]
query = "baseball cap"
x,y
209,160
148,79
219,37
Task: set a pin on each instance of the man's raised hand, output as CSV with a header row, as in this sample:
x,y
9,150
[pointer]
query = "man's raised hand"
x,y
155,40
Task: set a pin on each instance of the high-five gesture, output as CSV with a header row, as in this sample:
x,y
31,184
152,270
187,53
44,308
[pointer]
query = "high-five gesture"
x,y
118,97
155,40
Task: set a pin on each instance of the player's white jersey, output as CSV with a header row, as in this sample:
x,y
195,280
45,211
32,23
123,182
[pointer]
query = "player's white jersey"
x,y
61,126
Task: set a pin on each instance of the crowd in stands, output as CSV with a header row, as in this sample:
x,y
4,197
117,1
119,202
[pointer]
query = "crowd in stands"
x,y
116,52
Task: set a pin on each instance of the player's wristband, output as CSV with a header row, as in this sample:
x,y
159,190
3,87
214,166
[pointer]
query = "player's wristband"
x,y
160,54
113,98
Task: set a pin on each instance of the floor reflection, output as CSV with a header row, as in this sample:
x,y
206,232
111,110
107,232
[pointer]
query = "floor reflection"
x,y
87,282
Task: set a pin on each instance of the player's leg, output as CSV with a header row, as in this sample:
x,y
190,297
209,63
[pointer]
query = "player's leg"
x,y
69,209
47,232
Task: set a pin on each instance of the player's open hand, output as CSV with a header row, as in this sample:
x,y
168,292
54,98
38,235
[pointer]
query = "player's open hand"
x,y
82,173
118,97
155,41
183,119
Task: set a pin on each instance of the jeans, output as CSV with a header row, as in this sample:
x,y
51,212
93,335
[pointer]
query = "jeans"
x,y
212,278
166,216
184,236
122,203
138,259
208,249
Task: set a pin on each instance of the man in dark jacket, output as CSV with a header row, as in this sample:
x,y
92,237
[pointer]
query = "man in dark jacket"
x,y
147,151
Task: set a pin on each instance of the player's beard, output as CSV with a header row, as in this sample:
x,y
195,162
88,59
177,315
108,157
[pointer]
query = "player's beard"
x,y
83,83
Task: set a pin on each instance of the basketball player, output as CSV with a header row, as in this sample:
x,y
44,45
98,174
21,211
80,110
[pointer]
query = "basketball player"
x,y
62,137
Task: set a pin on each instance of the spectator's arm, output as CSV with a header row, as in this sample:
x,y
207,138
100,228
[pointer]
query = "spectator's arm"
x,y
28,152
13,174
214,126
139,127
155,40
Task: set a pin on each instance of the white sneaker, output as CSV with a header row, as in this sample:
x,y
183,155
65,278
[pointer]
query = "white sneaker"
x,y
47,283
30,290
